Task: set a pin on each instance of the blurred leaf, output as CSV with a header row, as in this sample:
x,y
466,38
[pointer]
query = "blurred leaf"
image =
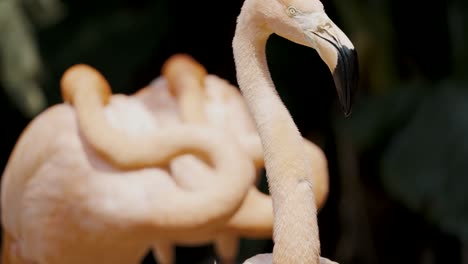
x,y
118,43
45,12
425,165
375,118
20,63
458,28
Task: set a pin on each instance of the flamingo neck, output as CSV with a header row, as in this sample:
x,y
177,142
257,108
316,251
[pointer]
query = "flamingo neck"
x,y
289,173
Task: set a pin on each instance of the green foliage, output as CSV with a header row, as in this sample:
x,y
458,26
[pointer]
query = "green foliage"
x,y
116,41
425,165
376,118
418,125
20,61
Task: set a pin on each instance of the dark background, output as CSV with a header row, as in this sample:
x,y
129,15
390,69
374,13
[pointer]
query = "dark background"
x,y
398,165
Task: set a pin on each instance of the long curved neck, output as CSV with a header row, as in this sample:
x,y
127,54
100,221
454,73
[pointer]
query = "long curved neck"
x,y
288,170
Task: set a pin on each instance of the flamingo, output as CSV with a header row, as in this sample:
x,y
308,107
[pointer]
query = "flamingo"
x,y
290,178
68,205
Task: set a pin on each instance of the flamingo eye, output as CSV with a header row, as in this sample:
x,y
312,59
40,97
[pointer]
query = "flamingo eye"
x,y
292,11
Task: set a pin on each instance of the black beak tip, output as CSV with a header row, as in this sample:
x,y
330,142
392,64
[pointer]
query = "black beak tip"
x,y
346,75
345,92
346,106
347,112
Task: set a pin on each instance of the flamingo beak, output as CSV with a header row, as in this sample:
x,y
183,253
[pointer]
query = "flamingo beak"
x,y
346,77
337,51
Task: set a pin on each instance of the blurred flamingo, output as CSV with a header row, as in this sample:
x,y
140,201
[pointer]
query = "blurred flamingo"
x,y
66,194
